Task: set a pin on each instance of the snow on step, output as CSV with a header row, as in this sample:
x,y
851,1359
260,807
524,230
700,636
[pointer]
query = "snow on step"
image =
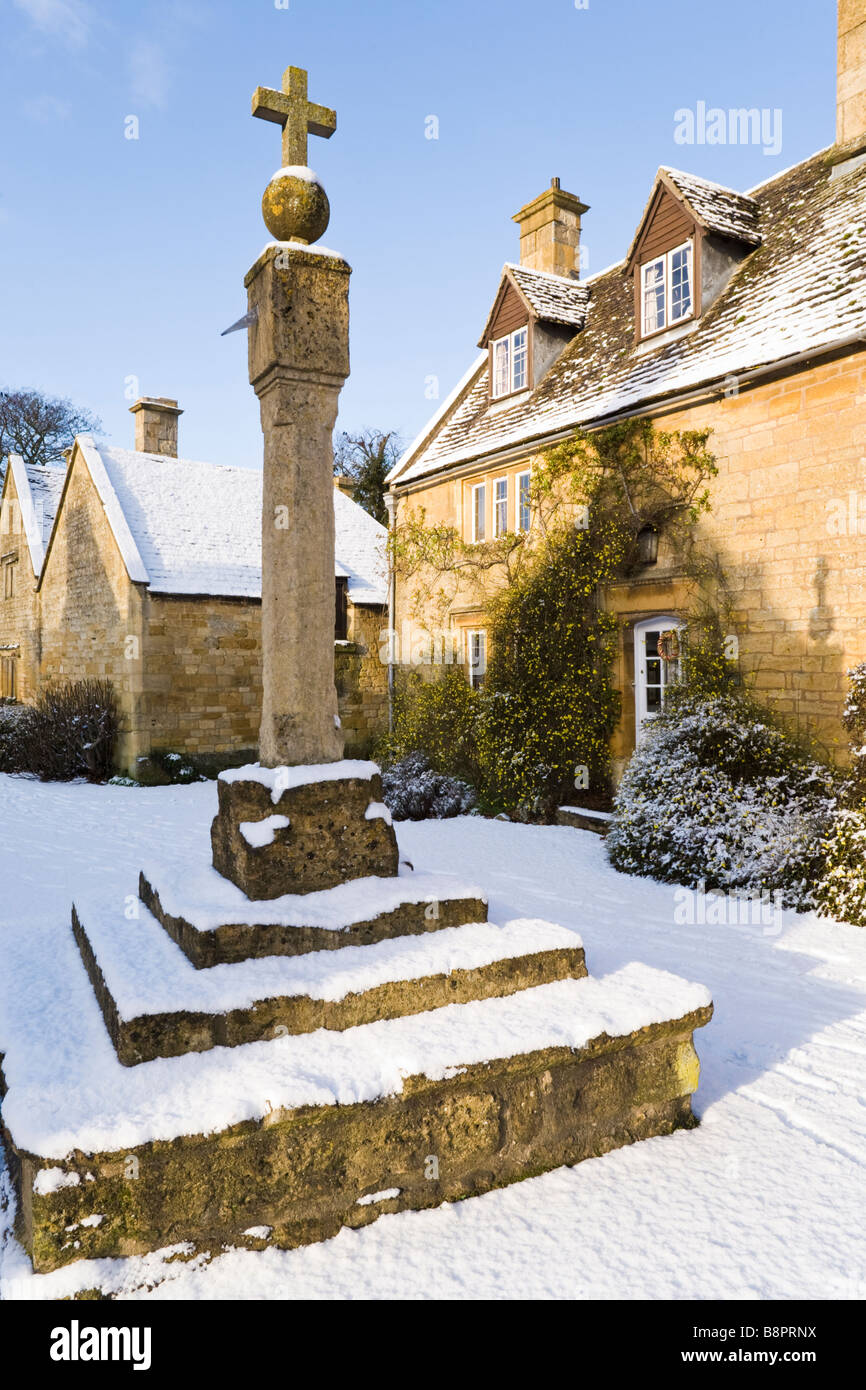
x,y
67,1090
207,901
147,973
282,779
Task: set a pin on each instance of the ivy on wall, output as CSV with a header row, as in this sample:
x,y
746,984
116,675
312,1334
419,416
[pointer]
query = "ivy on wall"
x,y
548,706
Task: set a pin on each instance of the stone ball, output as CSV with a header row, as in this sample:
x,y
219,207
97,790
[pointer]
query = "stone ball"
x,y
295,206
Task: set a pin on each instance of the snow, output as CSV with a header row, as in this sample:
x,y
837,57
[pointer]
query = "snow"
x,y
187,527
386,1195
283,779
259,833
762,1201
585,811
147,973
377,810
258,1232
79,1097
52,1179
39,488
297,171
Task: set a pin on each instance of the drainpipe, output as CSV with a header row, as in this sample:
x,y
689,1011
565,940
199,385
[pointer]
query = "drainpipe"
x,y
391,507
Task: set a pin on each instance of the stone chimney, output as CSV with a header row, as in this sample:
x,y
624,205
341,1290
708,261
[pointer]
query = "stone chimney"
x,y
851,73
156,425
550,232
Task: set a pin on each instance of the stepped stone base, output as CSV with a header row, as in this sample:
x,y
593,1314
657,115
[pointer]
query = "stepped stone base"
x,y
237,941
305,1173
148,1036
321,832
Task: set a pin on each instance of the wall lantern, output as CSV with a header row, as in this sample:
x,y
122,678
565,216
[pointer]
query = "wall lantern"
x,y
647,545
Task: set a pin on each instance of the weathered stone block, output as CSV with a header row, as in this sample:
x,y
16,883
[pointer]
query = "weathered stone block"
x,y
336,832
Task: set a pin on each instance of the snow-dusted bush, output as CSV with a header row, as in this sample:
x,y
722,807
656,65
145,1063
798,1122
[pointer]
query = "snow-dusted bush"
x,y
718,795
413,791
13,718
842,892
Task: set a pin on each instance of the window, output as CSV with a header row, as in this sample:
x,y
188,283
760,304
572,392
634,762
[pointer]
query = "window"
x,y
8,685
500,507
524,510
476,656
666,289
511,362
479,512
341,616
654,673
9,579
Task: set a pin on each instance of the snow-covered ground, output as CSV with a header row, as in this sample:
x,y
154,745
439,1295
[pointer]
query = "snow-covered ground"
x,y
764,1200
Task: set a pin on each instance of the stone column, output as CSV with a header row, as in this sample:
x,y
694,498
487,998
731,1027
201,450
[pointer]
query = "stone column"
x,y
298,361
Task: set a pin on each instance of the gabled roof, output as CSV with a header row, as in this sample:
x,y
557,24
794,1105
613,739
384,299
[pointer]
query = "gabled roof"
x,y
553,298
38,487
184,527
714,208
802,290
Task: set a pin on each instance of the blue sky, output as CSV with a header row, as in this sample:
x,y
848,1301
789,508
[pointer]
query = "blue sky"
x,y
125,258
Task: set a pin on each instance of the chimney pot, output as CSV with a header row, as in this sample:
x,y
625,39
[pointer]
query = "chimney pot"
x,y
156,425
550,231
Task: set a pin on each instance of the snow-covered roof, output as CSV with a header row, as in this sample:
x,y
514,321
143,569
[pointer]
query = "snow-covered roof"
x,y
555,298
38,487
801,290
719,209
185,527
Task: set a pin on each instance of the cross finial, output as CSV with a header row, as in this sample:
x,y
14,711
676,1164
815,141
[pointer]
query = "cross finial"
x,y
298,116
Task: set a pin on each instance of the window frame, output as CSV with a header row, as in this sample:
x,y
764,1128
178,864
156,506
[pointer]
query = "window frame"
x,y
508,340
476,538
9,585
665,259
476,677
500,502
519,504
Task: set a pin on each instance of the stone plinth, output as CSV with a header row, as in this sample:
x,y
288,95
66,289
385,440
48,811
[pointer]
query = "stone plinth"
x,y
299,830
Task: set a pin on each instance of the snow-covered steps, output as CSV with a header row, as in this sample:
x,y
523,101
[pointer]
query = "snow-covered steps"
x,y
295,1133
213,922
156,1004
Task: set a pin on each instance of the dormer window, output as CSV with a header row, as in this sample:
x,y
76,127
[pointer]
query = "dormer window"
x,y
510,362
667,289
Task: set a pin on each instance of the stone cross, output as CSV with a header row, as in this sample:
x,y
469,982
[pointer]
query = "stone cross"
x,y
298,116
298,304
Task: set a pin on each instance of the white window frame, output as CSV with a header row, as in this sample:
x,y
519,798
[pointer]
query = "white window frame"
x,y
513,352
523,484
500,506
479,535
477,669
666,261
662,622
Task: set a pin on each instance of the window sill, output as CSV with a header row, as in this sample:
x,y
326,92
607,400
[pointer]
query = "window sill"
x,y
665,336
498,403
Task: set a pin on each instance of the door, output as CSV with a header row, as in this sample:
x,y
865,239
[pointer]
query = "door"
x,y
653,673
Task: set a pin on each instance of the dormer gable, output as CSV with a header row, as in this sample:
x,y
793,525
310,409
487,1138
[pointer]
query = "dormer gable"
x,y
534,316
691,237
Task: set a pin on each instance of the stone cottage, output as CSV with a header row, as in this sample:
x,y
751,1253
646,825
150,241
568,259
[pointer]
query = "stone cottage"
x,y
742,312
145,569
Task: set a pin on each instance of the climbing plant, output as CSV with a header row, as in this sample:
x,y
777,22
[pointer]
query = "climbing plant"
x,y
549,706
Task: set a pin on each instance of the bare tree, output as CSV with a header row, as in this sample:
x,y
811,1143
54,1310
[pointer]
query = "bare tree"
x,y
40,427
367,458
